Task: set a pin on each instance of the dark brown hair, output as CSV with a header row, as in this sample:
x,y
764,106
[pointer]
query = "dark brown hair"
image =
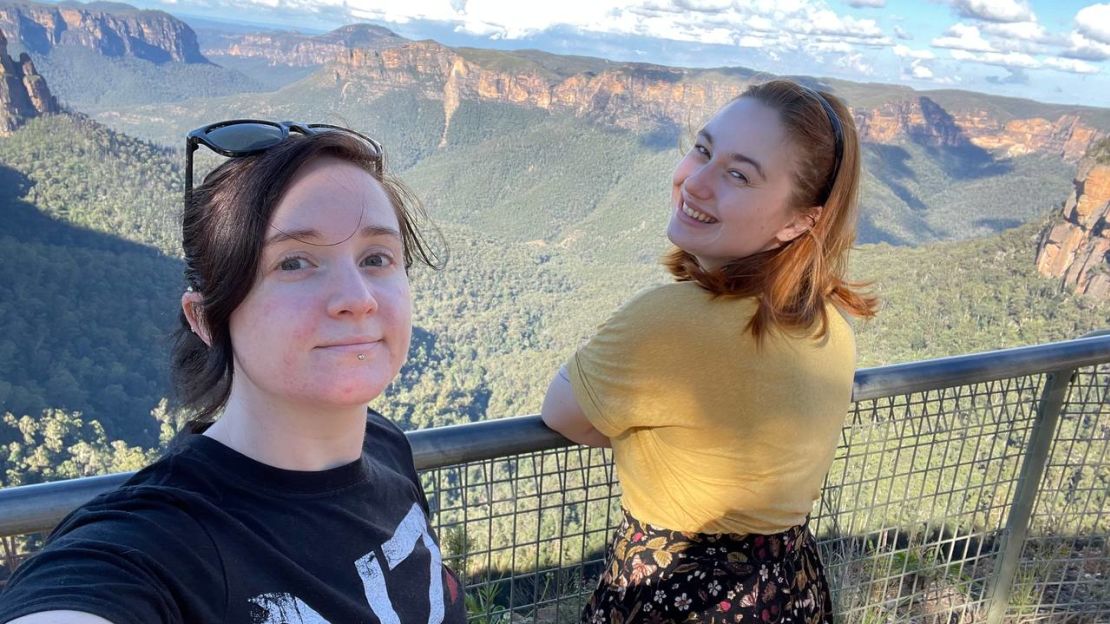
x,y
793,283
223,229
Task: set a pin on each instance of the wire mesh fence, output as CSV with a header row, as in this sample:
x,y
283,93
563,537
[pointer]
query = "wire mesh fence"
x,y
910,523
1064,572
913,520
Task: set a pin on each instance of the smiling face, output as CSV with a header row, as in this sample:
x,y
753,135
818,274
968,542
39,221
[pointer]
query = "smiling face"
x,y
331,287
730,192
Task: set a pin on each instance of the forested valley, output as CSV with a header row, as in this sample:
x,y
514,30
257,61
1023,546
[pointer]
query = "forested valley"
x,y
549,220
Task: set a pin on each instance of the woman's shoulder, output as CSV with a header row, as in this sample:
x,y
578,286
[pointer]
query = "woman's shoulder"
x,y
679,298
669,291
123,555
386,444
162,492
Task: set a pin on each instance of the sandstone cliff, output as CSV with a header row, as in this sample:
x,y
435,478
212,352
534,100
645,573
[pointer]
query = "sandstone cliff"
x,y
282,48
114,30
623,94
640,96
1076,244
23,92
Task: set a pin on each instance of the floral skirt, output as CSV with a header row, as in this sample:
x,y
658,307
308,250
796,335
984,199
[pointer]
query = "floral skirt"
x,y
657,575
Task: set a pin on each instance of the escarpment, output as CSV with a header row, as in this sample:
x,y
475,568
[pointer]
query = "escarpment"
x,y
112,30
643,97
285,48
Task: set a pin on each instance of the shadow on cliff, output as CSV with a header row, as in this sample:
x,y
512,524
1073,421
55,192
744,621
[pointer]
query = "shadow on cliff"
x,y
968,162
950,147
87,319
890,164
665,136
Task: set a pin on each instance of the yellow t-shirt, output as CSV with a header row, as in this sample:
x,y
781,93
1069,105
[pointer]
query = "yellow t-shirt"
x,y
710,433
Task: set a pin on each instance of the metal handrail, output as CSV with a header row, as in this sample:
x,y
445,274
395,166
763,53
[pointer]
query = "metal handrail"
x,y
38,507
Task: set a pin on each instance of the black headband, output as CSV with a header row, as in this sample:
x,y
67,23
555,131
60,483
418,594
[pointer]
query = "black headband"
x,y
838,136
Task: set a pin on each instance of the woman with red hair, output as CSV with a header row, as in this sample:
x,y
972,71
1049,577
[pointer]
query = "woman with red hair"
x,y
723,394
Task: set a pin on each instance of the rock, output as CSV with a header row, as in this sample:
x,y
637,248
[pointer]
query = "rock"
x,y
1075,246
114,30
23,92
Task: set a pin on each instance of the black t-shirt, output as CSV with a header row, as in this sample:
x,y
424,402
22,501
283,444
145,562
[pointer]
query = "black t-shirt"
x,y
206,534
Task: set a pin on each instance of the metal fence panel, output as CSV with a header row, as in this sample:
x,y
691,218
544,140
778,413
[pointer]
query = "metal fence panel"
x,y
912,520
1064,573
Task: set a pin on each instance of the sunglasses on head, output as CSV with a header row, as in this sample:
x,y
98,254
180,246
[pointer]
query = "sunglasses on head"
x,y
245,137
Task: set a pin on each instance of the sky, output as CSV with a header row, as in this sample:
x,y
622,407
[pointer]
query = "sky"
x,y
1052,51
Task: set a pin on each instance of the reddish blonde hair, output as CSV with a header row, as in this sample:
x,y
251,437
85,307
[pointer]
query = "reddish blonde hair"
x,y
793,283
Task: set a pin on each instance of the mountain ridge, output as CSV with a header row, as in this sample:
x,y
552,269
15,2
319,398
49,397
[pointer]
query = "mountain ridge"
x,y
641,97
111,29
298,50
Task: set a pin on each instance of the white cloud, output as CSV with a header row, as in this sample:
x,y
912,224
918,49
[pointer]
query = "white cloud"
x,y
1094,22
400,11
1026,31
963,37
509,18
1019,61
796,24
1080,47
751,41
855,62
1071,65
1029,37
761,24
703,5
813,33
826,22
994,10
1008,59
831,46
902,51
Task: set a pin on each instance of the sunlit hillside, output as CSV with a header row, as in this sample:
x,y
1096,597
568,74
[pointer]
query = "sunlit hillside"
x,y
551,218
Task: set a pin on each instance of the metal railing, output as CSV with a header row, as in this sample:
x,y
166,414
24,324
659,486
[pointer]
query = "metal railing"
x,y
965,489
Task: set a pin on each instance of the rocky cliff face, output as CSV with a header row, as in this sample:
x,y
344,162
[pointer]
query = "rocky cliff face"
x,y
298,50
1066,136
924,120
641,96
113,30
1076,245
626,95
919,119
23,92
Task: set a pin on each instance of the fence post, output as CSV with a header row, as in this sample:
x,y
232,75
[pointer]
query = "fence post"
x,y
1029,482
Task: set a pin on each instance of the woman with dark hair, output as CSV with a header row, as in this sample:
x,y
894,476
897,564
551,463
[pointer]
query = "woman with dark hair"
x,y
285,499
723,394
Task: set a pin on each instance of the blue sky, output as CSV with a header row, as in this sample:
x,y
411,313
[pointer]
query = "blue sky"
x,y
1043,50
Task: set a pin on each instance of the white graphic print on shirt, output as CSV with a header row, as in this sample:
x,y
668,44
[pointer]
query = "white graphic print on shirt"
x,y
284,608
